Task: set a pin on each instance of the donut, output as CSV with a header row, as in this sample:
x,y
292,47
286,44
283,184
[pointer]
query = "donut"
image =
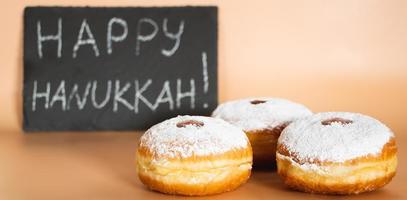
x,y
193,156
336,153
262,119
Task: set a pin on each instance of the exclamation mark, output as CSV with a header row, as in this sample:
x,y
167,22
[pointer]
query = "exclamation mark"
x,y
205,75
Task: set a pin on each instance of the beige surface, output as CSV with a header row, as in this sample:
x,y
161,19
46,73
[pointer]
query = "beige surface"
x,y
330,55
101,166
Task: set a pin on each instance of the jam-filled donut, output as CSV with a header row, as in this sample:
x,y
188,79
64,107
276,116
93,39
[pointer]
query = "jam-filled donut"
x,y
336,153
194,155
262,119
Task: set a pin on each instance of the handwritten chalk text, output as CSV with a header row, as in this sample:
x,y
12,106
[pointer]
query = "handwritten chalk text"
x,y
117,94
146,28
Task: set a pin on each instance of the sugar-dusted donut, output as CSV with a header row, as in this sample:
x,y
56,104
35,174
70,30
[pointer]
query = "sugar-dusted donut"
x,y
262,119
194,155
336,153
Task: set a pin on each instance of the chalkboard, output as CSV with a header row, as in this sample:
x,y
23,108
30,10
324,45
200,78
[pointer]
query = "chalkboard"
x,y
117,68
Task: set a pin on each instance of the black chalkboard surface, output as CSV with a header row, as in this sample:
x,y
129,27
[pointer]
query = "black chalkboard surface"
x,y
111,68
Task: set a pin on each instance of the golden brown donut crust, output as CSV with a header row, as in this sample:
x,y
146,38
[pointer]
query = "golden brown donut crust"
x,y
354,176
264,144
229,184
212,174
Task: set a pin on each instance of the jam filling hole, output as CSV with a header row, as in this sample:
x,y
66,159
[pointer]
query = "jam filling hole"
x,y
255,102
336,120
189,122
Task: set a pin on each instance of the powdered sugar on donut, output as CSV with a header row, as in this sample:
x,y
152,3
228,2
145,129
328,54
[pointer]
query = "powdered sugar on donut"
x,y
264,115
215,136
309,139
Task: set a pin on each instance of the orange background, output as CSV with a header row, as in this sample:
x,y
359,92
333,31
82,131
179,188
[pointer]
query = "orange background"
x,y
340,55
328,55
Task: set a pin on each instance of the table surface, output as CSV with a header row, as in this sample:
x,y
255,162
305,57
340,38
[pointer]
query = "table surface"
x,y
101,165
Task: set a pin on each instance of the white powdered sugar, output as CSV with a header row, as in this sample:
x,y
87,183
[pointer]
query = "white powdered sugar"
x,y
211,137
266,114
356,136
